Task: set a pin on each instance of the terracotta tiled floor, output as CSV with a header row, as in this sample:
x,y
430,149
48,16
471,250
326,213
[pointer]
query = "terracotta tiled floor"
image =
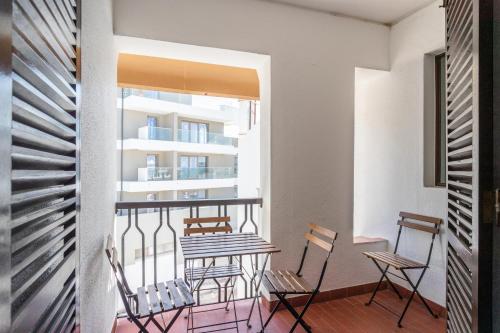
x,y
348,315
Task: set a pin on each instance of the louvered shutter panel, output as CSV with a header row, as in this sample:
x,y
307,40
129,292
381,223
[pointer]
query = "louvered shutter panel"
x,y
465,106
43,222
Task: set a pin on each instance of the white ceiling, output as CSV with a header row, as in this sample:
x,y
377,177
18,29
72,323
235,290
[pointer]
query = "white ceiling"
x,y
382,11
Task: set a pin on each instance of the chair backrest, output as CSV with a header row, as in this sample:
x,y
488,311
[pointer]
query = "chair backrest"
x,y
207,225
330,236
423,223
121,281
326,243
419,222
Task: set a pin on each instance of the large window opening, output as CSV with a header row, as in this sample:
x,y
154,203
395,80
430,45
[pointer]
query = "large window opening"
x,y
440,138
190,146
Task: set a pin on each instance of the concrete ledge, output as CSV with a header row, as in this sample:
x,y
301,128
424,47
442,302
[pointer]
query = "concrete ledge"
x,y
367,240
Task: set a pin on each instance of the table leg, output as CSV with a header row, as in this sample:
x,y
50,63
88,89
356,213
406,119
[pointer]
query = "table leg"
x,y
256,283
192,288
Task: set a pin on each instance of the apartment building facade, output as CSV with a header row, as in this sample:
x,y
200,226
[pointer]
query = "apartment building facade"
x,y
170,149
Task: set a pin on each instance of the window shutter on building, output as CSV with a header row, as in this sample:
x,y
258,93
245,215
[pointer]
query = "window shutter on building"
x,y
468,165
40,222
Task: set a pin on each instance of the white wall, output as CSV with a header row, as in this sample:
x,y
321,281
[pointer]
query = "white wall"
x,y
98,164
389,145
310,149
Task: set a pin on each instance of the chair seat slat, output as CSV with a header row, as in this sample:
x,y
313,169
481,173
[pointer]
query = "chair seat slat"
x,y
165,297
142,300
288,282
154,302
275,282
213,272
394,260
174,293
300,281
184,291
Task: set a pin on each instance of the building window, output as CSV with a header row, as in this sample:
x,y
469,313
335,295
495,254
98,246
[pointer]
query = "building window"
x,y
440,141
193,132
193,167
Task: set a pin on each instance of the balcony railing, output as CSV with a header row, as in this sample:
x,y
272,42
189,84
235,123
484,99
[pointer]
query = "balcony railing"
x,y
155,133
149,243
206,173
155,173
210,137
166,134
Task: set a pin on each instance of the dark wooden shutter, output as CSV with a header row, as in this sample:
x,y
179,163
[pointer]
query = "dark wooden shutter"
x,y
43,220
468,165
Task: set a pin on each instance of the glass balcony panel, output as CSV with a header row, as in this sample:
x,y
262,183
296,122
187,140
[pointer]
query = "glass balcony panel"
x,y
159,173
206,173
158,133
204,137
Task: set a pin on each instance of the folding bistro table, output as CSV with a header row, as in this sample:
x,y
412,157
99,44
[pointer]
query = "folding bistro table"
x,y
228,245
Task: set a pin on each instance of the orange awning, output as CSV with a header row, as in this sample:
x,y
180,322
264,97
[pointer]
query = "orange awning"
x,y
153,73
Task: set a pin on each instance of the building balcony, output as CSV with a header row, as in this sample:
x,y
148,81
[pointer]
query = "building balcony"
x,y
152,105
155,133
206,173
211,138
166,134
162,139
154,174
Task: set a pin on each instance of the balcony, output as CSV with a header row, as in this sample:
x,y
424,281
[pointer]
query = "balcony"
x,y
148,245
206,173
211,138
155,133
154,174
155,179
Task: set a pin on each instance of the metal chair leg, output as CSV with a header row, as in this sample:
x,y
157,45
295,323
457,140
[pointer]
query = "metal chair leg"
x,y
414,291
294,312
273,312
299,319
172,321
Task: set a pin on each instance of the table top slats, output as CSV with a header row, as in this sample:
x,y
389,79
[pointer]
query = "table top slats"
x,y
224,245
165,298
235,235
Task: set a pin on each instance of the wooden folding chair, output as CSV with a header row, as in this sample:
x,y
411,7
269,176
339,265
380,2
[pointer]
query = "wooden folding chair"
x,y
211,225
150,301
392,259
284,282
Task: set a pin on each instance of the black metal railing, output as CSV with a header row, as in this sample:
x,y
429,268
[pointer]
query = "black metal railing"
x,y
131,214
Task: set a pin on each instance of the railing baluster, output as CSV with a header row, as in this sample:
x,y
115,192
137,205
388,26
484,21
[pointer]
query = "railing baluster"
x,y
143,247
246,218
155,246
256,228
175,242
194,206
129,218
